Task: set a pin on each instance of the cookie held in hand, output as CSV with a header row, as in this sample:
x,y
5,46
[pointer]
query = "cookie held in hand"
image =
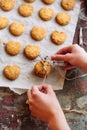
x,y
42,68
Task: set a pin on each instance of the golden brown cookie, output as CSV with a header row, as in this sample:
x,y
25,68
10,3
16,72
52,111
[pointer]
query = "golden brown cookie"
x,y
58,37
13,48
38,33
7,5
11,72
3,22
16,28
68,4
42,68
46,13
48,1
63,18
32,51
29,0
25,10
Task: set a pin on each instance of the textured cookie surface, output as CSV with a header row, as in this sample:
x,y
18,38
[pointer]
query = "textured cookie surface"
x,y
13,48
42,68
38,33
63,18
32,51
16,28
48,1
3,22
7,5
58,37
11,72
25,10
46,13
29,0
68,4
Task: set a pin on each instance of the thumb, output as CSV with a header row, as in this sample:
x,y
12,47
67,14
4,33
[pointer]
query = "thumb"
x,y
58,57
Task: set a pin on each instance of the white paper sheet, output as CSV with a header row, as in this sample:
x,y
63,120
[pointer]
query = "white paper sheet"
x,y
27,79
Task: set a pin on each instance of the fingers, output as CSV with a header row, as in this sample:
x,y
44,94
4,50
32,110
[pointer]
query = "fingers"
x,y
65,50
46,88
59,57
37,90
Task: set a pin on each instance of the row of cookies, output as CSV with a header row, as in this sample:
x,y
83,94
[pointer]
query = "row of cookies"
x,y
42,68
44,13
37,33
8,5
13,48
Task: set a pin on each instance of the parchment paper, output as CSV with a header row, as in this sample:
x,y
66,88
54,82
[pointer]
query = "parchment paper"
x,y
27,79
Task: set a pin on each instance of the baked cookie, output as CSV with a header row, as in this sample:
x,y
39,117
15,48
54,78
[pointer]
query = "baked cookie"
x,y
11,72
32,51
13,48
42,68
63,18
46,13
48,1
58,37
7,5
3,22
25,10
68,4
29,0
16,28
38,33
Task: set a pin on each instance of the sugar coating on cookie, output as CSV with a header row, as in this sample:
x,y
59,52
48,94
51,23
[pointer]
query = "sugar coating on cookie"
x,y
13,48
46,13
48,1
29,0
11,72
42,68
58,37
63,18
3,22
25,10
7,5
16,28
32,51
68,4
38,33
